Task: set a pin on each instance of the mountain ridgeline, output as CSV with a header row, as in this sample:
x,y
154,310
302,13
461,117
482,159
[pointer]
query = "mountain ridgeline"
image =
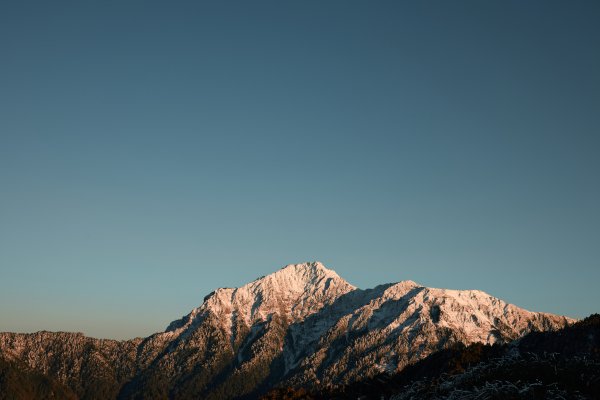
x,y
302,326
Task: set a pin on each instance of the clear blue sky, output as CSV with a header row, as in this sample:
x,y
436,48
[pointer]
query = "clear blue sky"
x,y
153,151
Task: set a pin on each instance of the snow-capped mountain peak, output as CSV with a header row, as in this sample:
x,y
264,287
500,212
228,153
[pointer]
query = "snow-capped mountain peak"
x,y
301,325
297,279
295,291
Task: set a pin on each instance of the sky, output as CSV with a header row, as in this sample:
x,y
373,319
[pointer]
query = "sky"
x,y
151,152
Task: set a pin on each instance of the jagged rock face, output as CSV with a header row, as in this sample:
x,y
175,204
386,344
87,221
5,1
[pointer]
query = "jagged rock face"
x,y
302,325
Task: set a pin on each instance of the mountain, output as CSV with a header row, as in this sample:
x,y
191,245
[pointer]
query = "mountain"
x,y
301,326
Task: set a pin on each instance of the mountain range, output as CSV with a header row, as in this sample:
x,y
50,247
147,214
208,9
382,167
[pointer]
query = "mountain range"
x,y
301,326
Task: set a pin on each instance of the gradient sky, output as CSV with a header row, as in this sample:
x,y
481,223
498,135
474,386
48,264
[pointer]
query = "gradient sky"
x,y
151,152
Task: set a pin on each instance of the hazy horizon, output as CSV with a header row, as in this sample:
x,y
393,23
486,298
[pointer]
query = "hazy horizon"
x,y
152,152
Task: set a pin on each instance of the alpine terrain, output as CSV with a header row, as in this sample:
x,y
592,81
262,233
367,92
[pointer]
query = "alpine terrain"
x,y
302,326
